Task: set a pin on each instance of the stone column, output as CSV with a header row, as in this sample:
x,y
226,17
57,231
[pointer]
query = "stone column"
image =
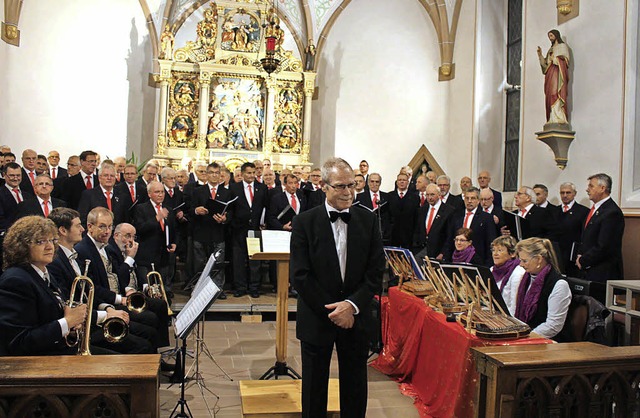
x,y
269,119
309,87
163,108
203,113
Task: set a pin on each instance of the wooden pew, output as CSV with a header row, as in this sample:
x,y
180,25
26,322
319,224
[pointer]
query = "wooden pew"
x,y
80,386
552,380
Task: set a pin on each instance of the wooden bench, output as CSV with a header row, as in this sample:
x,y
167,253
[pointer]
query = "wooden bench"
x,y
80,386
573,379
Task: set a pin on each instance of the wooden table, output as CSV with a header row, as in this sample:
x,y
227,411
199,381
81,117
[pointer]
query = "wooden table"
x,y
571,379
80,386
282,315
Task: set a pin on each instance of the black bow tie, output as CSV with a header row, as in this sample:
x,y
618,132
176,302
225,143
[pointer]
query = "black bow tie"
x,y
345,216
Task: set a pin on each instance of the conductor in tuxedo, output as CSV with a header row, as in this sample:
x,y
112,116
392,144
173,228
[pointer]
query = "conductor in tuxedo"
x,y
600,256
336,266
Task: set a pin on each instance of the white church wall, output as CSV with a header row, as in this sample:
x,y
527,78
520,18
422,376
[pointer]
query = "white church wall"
x,y
596,95
78,80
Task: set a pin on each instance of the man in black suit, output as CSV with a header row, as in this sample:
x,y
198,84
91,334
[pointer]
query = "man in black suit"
x,y
455,201
85,179
42,203
209,223
432,225
174,201
11,195
542,194
313,189
284,206
130,192
364,170
336,266
484,179
421,189
486,202
570,217
541,223
481,223
403,206
600,256
55,171
104,196
376,201
155,224
249,213
29,158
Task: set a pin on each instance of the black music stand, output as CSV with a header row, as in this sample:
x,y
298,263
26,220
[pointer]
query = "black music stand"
x,y
186,320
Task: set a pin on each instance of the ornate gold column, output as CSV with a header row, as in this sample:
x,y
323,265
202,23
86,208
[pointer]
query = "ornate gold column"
x,y
271,83
309,87
163,107
203,113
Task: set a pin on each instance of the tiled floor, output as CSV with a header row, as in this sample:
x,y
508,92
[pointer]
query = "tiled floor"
x,y
247,350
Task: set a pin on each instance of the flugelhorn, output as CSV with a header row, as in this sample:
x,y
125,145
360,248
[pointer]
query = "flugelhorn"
x,y
156,287
80,336
115,329
136,302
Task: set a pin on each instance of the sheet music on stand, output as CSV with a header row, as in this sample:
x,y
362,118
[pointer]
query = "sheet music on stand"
x,y
276,241
196,307
202,280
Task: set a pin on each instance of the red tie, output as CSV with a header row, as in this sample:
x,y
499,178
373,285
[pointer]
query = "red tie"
x,y
132,192
430,220
89,185
294,204
250,192
108,200
523,212
159,210
170,192
486,210
375,201
422,199
466,219
401,195
32,177
53,173
565,208
17,193
213,193
593,209
45,206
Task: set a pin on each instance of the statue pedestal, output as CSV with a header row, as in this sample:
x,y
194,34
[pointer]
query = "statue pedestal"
x,y
558,137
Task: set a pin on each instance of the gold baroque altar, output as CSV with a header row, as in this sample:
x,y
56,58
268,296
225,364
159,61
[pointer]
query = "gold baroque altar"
x,y
218,104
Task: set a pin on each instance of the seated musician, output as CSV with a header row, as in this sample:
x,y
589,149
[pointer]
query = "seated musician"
x,y
506,269
34,320
465,252
543,295
65,269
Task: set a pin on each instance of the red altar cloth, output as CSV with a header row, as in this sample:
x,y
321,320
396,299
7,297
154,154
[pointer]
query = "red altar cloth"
x,y
430,357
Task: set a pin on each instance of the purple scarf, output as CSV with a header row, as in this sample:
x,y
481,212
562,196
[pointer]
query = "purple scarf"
x,y
465,255
527,304
502,273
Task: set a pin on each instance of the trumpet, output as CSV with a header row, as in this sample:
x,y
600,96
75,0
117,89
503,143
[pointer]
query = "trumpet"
x,y
80,336
115,329
136,302
156,287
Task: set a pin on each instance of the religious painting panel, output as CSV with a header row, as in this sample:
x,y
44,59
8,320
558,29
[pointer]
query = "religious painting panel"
x,y
241,30
182,121
288,117
236,113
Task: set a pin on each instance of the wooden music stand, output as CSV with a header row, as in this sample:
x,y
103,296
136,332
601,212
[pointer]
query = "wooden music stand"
x,y
282,316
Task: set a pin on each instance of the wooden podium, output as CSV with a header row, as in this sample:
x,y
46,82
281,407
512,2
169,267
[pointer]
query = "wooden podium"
x,y
282,316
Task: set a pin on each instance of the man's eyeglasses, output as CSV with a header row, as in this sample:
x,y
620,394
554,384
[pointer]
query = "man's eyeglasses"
x,y
343,187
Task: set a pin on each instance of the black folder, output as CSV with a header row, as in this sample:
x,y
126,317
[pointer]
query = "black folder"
x,y
518,227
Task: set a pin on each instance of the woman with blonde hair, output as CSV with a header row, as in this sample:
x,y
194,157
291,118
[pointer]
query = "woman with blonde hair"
x,y
543,295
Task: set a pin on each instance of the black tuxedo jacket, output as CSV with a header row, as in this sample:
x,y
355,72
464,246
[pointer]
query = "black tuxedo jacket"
x,y
436,240
122,190
29,313
60,172
205,228
315,273
541,223
382,212
484,232
314,197
496,211
601,247
569,232
73,188
280,201
62,271
32,206
497,198
173,201
9,207
25,183
247,217
123,270
95,197
402,217
456,202
97,272
151,237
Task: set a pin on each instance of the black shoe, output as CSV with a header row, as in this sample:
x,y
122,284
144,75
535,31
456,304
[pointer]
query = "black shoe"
x,y
255,294
239,293
222,296
167,367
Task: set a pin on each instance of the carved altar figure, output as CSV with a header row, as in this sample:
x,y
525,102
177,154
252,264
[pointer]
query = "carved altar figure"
x,y
310,58
166,44
182,129
287,137
555,67
207,28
